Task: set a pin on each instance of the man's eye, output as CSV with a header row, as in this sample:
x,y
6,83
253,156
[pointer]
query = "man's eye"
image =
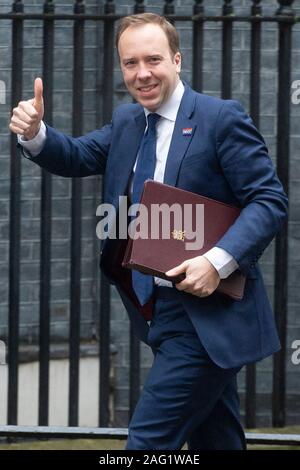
x,y
155,59
129,63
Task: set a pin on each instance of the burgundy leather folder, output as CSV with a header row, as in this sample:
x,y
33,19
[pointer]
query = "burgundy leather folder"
x,y
203,221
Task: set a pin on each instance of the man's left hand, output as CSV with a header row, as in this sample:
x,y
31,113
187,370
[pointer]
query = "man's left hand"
x,y
201,278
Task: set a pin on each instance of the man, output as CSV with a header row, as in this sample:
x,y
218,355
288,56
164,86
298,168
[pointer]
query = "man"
x,y
200,338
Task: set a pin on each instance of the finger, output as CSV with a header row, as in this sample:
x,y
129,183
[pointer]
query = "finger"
x,y
186,284
23,116
20,123
38,94
200,293
182,287
181,268
191,290
16,129
27,107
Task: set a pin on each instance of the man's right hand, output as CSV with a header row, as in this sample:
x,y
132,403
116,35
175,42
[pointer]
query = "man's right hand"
x,y
27,116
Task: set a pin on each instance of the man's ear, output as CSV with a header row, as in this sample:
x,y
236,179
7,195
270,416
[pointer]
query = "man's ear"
x,y
177,61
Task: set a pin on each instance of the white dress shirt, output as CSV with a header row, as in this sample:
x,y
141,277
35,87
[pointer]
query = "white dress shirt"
x,y
223,262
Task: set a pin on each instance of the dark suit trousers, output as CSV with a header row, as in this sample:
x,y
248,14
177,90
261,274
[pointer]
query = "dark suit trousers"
x,y
186,397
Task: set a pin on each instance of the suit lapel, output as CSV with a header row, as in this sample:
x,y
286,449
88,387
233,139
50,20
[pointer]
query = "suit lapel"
x,y
129,146
184,130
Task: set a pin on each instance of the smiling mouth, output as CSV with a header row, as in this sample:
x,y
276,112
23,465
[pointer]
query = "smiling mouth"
x,y
147,89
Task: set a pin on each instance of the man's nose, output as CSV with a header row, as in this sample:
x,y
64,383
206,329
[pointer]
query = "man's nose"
x,y
143,72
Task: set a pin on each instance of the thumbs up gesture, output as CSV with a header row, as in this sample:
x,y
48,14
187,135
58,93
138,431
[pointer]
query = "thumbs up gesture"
x,y
26,117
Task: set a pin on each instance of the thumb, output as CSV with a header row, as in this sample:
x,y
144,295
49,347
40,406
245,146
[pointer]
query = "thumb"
x,y
181,268
38,102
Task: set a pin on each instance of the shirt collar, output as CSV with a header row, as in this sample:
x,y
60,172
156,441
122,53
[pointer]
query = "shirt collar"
x,y
169,109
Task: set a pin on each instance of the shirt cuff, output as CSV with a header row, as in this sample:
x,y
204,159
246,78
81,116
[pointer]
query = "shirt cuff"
x,y
34,146
222,261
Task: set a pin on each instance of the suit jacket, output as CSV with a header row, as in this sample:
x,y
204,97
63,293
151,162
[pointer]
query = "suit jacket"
x,y
225,158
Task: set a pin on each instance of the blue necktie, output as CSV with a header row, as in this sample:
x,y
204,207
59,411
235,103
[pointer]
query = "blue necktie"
x,y
143,283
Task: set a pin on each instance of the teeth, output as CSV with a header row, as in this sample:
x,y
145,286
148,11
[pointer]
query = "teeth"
x,y
147,88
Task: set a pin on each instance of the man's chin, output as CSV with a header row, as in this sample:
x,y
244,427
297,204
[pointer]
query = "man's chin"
x,y
150,104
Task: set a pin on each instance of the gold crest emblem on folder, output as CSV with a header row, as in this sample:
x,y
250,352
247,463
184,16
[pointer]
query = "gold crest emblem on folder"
x,y
178,234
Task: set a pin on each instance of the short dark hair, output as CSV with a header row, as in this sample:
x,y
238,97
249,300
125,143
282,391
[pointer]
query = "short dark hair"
x,y
150,18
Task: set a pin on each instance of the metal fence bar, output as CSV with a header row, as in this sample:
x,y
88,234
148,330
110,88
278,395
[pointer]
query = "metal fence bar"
x,y
46,223
76,223
55,432
256,9
173,17
273,439
134,373
104,320
198,47
281,247
227,51
139,7
169,8
14,225
255,63
64,431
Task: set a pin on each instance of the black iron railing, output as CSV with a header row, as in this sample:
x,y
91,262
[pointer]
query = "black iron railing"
x,y
285,18
54,432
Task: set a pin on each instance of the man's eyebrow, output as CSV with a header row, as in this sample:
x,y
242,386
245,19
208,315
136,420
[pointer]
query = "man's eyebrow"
x,y
150,56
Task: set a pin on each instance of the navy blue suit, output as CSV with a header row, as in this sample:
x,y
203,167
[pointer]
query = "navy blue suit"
x,y
225,158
